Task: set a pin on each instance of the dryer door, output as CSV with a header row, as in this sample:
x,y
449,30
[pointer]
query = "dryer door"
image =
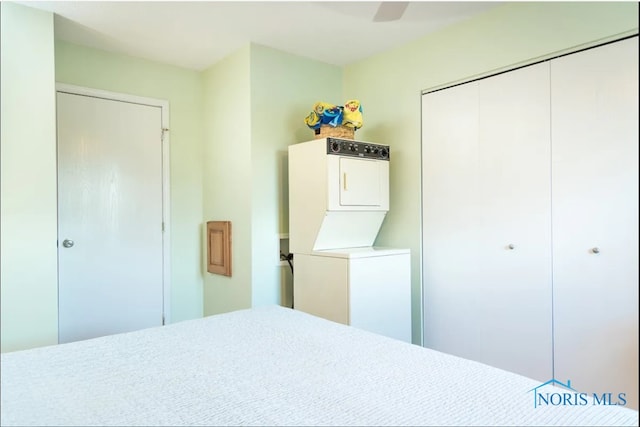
x,y
357,184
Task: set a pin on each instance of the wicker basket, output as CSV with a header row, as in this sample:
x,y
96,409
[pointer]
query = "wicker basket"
x,y
326,131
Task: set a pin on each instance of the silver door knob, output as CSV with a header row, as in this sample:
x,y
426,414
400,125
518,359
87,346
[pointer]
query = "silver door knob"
x,y
67,243
511,246
595,250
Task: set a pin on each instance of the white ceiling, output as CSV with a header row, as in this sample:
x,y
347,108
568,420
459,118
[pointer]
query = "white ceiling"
x,y
196,34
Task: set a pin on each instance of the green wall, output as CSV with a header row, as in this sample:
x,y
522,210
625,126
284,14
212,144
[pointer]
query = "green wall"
x,y
255,103
29,270
227,176
389,86
93,68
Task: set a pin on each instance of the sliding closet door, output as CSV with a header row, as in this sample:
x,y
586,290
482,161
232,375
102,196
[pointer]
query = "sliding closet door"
x,y
486,221
595,218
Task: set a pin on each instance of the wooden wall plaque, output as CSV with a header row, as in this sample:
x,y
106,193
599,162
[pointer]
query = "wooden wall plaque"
x,y
219,247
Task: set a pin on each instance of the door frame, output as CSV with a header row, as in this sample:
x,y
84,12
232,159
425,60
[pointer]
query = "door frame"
x,y
166,169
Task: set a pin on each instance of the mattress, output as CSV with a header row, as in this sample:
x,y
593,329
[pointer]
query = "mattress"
x,y
270,366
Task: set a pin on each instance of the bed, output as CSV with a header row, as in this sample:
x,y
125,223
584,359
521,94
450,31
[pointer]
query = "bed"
x,y
270,366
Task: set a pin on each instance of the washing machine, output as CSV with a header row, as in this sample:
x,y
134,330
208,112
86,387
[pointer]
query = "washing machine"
x,y
338,199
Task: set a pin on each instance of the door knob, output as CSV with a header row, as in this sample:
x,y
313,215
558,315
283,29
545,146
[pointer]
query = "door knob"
x,y
595,250
511,246
67,243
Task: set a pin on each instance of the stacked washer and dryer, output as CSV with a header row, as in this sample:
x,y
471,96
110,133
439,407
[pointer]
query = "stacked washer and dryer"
x,y
338,199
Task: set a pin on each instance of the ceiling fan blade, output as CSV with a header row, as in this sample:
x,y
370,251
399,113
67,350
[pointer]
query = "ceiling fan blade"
x,y
390,11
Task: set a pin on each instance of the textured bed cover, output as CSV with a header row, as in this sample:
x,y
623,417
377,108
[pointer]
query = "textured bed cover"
x,y
269,366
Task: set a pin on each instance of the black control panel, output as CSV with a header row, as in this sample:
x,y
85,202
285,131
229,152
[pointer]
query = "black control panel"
x,y
348,147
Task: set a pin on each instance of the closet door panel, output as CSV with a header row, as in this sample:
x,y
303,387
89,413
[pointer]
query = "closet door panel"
x,y
451,234
515,210
485,188
595,205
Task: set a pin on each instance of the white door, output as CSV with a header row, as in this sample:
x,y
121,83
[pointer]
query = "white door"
x,y
595,219
486,221
109,216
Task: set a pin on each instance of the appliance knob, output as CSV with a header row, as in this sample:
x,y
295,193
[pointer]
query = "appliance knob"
x,y
335,147
384,153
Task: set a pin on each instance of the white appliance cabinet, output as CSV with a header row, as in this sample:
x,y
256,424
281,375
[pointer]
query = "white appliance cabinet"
x,y
530,220
368,288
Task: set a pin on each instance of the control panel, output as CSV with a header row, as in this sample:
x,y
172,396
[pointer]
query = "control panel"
x,y
347,147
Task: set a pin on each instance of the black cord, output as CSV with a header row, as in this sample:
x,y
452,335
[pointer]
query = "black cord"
x,y
288,258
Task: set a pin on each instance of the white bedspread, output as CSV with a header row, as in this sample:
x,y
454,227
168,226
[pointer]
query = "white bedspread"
x,y
269,366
